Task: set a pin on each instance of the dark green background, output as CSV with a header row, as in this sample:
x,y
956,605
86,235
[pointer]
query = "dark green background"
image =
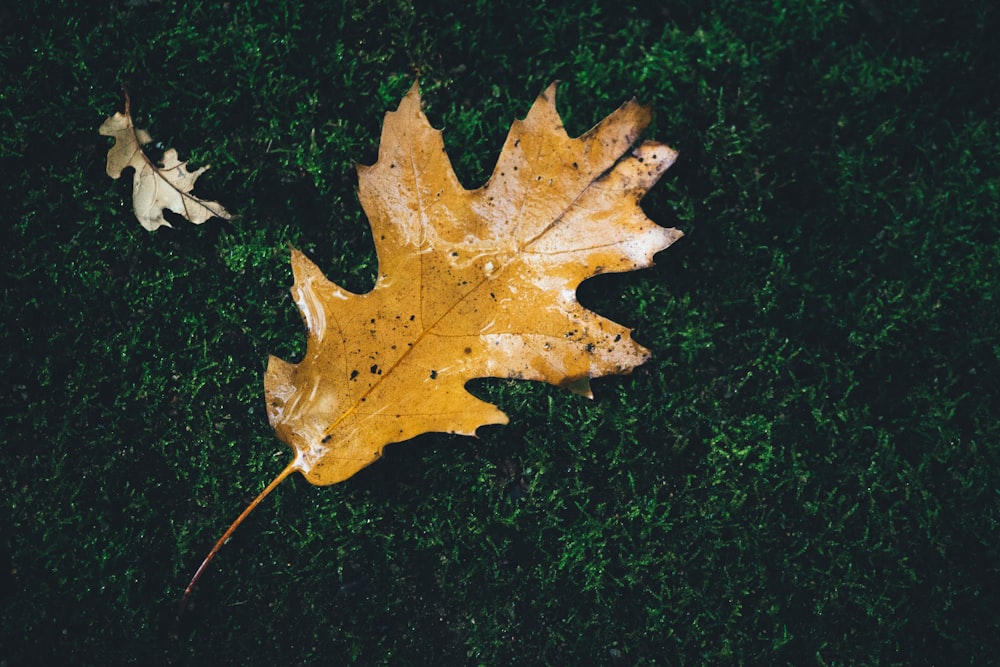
x,y
807,473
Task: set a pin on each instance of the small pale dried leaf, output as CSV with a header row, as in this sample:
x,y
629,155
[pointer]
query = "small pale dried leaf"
x,y
155,188
472,283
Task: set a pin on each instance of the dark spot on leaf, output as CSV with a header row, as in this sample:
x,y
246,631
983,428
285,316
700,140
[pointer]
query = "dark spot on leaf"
x,y
434,375
354,374
326,438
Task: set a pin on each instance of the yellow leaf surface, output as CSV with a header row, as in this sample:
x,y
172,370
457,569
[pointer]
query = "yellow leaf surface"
x,y
471,284
155,188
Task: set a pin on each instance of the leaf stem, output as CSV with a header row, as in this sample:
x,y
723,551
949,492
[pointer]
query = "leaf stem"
x,y
232,528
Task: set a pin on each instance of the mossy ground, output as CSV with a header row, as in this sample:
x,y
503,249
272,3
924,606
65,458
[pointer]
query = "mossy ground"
x,y
808,472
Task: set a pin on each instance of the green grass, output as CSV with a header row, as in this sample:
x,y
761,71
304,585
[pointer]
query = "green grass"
x,y
808,472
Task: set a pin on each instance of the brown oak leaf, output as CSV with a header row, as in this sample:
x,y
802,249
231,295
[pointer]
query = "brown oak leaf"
x,y
471,284
155,188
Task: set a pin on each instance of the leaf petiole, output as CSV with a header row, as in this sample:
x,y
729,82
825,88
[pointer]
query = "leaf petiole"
x,y
232,528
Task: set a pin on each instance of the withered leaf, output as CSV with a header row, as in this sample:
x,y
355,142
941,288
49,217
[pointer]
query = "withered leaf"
x,y
471,284
155,188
